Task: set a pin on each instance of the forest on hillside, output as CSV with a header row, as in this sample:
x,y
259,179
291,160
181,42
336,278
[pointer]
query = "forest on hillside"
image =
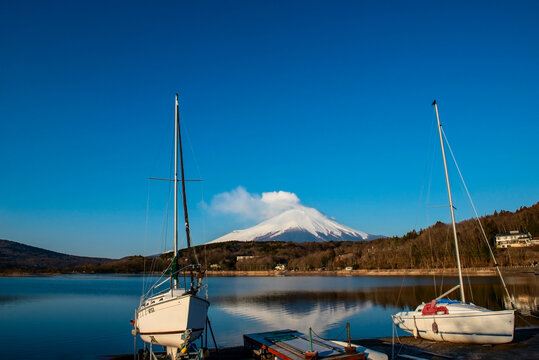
x,y
430,248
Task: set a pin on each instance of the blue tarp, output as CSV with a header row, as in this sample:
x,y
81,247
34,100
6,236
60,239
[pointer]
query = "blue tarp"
x,y
447,301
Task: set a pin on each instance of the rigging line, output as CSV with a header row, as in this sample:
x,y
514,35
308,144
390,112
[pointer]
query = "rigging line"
x,y
429,163
478,221
164,224
193,154
195,160
170,192
526,321
470,286
442,276
427,199
164,135
400,290
203,215
164,229
146,234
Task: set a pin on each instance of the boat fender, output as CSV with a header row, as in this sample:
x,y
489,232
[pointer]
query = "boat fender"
x,y
435,327
416,332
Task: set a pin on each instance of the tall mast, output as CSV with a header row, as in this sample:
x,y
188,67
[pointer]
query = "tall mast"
x,y
176,129
450,204
184,198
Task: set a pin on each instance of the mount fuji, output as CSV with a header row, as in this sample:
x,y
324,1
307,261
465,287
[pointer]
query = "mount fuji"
x,y
299,224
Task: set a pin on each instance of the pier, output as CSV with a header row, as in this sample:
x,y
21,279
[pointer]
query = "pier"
x,y
525,346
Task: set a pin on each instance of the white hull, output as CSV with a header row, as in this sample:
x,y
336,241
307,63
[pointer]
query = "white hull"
x,y
464,323
164,319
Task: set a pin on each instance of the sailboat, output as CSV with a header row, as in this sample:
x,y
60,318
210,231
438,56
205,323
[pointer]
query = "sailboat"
x,y
176,316
453,320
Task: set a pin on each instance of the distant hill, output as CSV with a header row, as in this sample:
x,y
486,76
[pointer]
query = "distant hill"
x,y
424,249
429,248
301,224
21,257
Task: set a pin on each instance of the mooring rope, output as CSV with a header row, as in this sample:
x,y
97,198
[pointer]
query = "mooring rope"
x,y
334,338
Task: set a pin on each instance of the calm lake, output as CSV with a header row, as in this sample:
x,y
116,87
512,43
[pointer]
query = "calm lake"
x,y
87,316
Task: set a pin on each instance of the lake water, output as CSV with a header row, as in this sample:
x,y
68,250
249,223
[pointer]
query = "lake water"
x,y
87,316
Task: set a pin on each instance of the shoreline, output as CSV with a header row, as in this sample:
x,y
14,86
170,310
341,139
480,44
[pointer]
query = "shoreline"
x,y
373,272
524,345
491,271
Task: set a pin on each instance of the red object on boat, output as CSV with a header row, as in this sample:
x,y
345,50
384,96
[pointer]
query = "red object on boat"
x,y
432,309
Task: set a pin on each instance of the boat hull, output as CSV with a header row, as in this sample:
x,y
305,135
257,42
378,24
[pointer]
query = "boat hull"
x,y
475,326
168,320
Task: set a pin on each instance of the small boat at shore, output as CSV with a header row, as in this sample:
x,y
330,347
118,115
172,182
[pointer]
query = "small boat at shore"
x,y
452,320
176,316
294,345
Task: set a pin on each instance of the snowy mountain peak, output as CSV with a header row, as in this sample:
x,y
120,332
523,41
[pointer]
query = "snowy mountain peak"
x,y
298,224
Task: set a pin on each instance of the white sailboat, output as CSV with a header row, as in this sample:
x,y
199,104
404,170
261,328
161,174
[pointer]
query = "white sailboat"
x,y
176,316
453,320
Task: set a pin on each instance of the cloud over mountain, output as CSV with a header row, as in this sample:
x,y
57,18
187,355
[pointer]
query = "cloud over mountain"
x,y
281,216
254,206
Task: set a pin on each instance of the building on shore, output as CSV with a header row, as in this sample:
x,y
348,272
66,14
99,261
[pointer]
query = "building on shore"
x,y
514,238
244,257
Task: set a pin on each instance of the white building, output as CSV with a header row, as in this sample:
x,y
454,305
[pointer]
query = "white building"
x,y
513,239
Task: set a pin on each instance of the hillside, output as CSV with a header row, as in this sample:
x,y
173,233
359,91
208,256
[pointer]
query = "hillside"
x,y
20,258
430,248
15,256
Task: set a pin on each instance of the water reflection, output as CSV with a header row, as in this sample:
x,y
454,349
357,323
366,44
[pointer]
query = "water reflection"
x,y
296,311
271,303
75,317
524,294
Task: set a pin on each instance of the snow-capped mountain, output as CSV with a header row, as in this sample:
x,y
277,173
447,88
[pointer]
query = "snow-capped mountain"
x,y
298,224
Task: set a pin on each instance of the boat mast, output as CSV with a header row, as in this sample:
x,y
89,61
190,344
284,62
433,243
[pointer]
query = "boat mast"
x,y
450,204
184,198
176,129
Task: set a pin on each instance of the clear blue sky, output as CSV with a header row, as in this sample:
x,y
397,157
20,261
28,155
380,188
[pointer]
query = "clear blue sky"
x,y
329,100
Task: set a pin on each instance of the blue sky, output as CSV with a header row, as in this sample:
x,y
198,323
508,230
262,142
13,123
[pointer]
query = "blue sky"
x,y
328,100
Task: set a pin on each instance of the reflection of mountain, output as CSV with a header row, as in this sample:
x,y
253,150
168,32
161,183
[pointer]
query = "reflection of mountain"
x,y
298,313
7,299
328,311
485,294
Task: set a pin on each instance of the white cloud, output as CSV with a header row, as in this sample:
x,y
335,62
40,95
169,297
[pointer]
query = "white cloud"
x,y
253,206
